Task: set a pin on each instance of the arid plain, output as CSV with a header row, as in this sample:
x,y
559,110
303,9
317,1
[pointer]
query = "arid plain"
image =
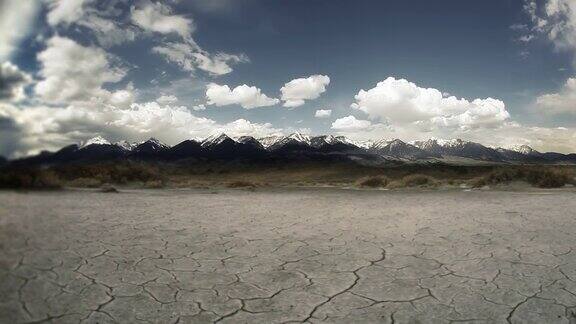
x,y
288,255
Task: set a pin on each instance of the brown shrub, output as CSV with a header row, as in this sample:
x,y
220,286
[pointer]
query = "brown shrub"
x,y
373,182
30,179
241,184
154,184
417,180
549,178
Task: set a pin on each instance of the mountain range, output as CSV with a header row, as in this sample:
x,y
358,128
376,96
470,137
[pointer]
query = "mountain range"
x,y
296,147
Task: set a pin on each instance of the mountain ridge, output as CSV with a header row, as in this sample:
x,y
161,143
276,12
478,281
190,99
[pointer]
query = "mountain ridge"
x,y
295,146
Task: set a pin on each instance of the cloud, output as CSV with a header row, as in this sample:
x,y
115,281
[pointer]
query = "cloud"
x,y
350,123
246,96
12,82
190,56
323,113
297,91
199,107
157,17
398,101
167,99
73,72
65,11
555,20
16,21
561,102
28,130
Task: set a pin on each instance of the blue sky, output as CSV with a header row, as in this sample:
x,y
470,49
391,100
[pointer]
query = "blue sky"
x,y
499,72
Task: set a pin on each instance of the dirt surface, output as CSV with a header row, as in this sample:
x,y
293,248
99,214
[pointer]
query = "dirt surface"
x,y
238,256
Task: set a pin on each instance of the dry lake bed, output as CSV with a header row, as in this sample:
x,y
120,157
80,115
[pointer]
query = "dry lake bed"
x,y
338,256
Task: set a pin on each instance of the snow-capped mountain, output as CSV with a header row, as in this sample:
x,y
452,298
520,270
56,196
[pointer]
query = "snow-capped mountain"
x,y
270,140
296,147
98,140
216,139
399,149
126,145
459,148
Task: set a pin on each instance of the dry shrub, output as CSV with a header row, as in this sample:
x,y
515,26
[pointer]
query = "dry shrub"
x,y
154,184
549,178
30,179
498,176
241,184
373,182
543,177
416,180
85,183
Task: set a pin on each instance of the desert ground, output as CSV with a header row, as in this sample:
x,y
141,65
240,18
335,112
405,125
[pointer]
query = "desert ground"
x,y
288,255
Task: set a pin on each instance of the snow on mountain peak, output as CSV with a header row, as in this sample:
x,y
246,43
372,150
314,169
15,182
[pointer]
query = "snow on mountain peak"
x,y
215,139
299,137
125,145
524,149
98,140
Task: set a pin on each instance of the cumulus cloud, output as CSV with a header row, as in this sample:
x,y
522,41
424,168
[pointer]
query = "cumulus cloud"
x,y
296,92
157,17
72,72
12,82
27,130
398,101
323,113
563,101
246,96
16,21
189,56
350,123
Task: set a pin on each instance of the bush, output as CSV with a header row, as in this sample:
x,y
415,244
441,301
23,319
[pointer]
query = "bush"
x,y
553,178
373,182
542,177
154,184
29,179
417,180
241,184
85,183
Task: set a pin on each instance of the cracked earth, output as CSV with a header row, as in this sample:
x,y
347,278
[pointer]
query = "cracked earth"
x,y
285,256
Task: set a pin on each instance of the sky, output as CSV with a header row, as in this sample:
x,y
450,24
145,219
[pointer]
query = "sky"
x,y
498,72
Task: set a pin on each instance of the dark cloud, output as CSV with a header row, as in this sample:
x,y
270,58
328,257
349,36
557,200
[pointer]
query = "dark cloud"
x,y
12,82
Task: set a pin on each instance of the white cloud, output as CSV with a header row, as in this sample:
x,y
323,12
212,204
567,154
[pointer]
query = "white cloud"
x,y
297,91
72,72
190,56
27,130
323,113
246,96
560,102
556,20
16,20
158,17
199,107
398,101
167,99
12,82
65,11
351,124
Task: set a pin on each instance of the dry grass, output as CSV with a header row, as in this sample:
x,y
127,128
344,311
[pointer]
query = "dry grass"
x,y
414,180
30,179
373,182
536,176
241,184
